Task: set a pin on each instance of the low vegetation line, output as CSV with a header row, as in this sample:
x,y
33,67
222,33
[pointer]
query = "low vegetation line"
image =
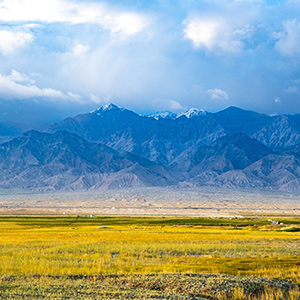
x,y
164,256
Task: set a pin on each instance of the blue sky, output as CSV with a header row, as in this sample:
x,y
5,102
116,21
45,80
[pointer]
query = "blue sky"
x,y
62,57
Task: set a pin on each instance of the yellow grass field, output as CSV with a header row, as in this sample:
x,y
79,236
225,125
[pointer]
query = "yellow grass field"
x,y
69,246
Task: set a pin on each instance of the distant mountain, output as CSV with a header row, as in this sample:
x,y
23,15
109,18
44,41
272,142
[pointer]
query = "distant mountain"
x,y
98,124
158,140
112,147
277,172
162,115
193,112
66,161
234,119
281,134
226,153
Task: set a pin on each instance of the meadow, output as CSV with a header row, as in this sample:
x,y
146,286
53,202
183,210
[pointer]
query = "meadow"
x,y
143,258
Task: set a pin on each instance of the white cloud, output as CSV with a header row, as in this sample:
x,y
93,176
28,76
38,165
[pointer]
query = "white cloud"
x,y
34,10
80,49
163,104
17,86
11,89
217,94
289,39
20,86
292,90
75,97
216,34
64,11
129,23
172,104
19,77
202,33
94,98
10,41
277,100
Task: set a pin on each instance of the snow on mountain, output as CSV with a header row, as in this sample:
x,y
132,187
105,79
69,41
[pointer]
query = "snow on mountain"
x,y
163,115
106,107
113,147
193,112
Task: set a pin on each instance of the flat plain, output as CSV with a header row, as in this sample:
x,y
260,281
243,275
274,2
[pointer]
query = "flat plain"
x,y
69,257
153,201
150,244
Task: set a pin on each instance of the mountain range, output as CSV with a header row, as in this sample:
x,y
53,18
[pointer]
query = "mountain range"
x,y
112,147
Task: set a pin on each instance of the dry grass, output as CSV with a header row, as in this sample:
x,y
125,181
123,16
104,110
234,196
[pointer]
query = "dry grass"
x,y
151,286
70,246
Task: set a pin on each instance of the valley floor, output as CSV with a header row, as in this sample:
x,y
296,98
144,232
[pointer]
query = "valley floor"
x,y
149,258
150,286
194,202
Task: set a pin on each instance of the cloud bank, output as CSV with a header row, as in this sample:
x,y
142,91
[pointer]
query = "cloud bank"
x,y
289,39
149,56
217,94
71,12
11,41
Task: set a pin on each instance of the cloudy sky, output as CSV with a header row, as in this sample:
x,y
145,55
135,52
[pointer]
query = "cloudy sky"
x,y
63,57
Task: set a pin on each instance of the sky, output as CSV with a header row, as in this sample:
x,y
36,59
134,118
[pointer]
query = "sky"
x,y
59,58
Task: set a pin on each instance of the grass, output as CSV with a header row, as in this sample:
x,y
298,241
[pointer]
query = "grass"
x,y
34,249
146,286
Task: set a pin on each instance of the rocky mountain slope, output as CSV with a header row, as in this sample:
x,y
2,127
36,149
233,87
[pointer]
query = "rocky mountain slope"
x,y
66,161
112,147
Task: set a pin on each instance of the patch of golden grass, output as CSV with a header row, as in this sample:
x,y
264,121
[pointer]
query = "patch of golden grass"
x,y
267,294
146,286
27,249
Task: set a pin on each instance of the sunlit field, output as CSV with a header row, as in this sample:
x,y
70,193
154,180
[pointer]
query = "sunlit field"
x,y
85,251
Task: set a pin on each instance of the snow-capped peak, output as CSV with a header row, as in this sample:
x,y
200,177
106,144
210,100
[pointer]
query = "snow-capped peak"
x,y
110,106
163,115
105,107
193,112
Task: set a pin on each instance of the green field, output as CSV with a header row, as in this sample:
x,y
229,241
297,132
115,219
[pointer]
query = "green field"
x,y
149,258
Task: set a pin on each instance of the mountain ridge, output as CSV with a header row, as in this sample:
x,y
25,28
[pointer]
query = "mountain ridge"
x,y
112,147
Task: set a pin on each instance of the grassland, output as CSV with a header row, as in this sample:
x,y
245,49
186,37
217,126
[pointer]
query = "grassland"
x,y
143,258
